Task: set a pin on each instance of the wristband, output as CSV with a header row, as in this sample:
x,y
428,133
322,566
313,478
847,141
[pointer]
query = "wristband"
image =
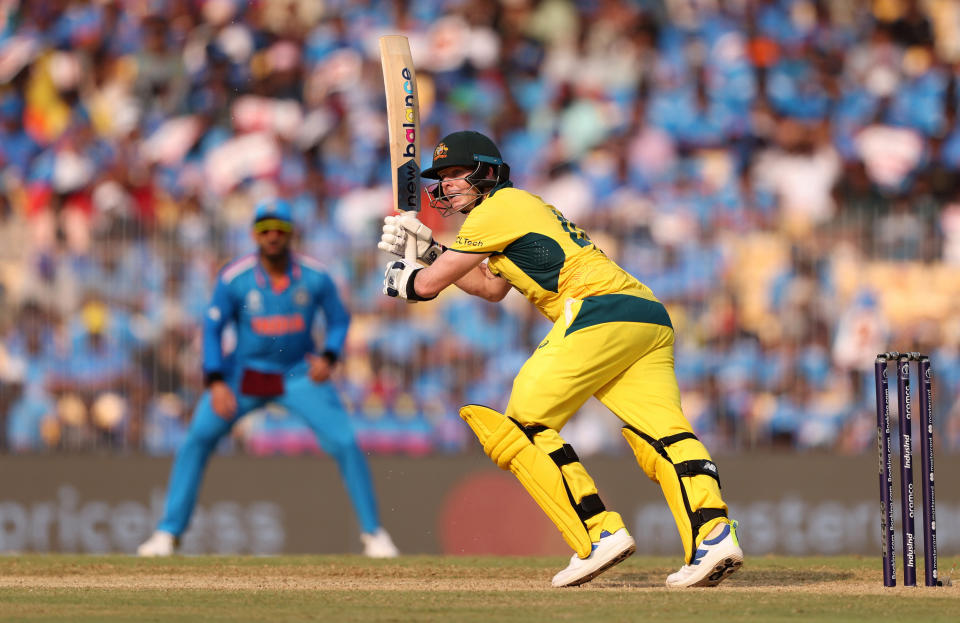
x,y
209,378
412,291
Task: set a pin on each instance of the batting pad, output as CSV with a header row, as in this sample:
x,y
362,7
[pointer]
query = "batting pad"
x,y
508,446
696,504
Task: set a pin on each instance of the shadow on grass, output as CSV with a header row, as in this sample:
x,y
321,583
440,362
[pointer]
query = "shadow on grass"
x,y
656,578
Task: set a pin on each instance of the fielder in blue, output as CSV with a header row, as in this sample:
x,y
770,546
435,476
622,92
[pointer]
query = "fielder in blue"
x,y
271,297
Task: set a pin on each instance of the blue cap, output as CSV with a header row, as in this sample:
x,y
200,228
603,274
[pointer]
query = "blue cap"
x,y
274,210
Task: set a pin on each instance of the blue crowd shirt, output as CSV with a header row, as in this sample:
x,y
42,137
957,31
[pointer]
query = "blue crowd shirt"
x,y
273,325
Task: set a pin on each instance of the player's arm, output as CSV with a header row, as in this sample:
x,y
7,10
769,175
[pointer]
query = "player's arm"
x,y
222,309
483,283
407,281
466,271
337,319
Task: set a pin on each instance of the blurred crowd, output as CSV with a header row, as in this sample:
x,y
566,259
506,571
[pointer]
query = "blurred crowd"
x,y
782,173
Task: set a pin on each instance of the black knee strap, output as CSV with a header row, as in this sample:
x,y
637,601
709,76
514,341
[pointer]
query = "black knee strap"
x,y
591,504
564,456
660,445
697,467
531,430
694,467
669,440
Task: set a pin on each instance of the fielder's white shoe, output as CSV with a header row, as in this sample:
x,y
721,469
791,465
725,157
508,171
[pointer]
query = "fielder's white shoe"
x,y
611,549
160,543
378,544
717,557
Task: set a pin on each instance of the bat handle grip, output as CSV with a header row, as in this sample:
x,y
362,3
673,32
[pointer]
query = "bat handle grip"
x,y
410,249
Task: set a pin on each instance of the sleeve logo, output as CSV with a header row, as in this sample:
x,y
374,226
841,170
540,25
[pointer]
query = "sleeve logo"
x,y
466,242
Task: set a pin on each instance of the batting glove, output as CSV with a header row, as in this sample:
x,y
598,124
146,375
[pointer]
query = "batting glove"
x,y
398,281
394,237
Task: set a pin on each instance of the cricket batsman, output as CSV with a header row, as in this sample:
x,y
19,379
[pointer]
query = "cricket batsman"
x,y
611,339
272,298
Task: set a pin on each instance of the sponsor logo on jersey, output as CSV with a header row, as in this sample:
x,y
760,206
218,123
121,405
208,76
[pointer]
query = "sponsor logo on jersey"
x,y
301,298
466,242
279,324
254,301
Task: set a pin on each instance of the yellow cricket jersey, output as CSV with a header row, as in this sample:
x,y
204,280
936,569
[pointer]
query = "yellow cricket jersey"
x,y
542,254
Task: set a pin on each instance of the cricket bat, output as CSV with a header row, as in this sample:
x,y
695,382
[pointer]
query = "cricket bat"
x,y
403,126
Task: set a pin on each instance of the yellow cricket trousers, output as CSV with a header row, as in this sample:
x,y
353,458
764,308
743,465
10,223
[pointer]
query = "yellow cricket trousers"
x,y
619,348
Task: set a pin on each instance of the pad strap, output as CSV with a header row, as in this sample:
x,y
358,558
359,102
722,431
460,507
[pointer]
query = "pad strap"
x,y
589,505
697,467
694,467
702,516
564,455
505,441
661,444
531,430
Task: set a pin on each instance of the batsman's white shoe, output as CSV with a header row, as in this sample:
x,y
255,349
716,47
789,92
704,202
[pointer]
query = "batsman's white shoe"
x,y
160,543
611,549
717,557
378,544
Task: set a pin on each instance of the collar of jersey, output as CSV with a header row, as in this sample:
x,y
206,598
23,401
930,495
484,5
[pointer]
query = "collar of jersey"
x,y
263,277
507,184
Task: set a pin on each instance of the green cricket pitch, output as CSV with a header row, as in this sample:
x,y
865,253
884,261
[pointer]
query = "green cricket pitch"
x,y
340,589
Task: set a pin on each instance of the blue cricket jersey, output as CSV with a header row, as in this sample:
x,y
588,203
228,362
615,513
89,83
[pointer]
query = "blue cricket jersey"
x,y
273,326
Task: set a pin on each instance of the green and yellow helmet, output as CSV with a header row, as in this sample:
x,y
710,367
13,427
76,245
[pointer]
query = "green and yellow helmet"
x,y
471,150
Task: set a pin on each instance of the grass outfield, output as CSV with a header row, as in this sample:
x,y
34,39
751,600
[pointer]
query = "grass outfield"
x,y
430,588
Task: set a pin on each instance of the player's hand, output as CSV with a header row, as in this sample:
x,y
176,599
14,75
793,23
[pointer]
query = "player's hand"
x,y
320,368
393,238
223,401
489,274
398,280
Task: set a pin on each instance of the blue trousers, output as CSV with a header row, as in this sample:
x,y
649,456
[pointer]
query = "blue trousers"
x,y
318,404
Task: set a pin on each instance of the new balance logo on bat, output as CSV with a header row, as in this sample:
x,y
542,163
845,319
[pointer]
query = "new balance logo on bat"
x,y
409,113
408,186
